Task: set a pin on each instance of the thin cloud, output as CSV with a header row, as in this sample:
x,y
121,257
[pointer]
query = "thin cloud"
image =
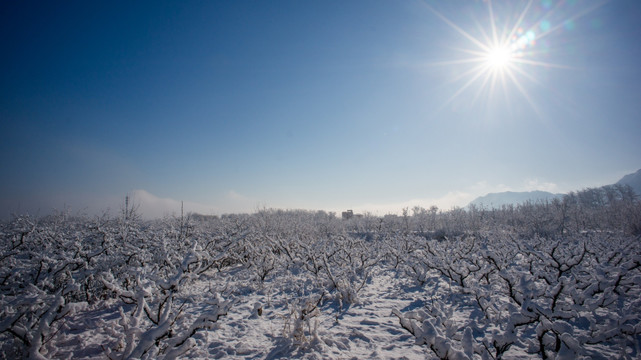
x,y
536,184
483,187
450,200
152,206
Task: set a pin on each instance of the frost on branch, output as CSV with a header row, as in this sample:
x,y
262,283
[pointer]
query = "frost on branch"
x,y
155,329
555,298
548,280
440,338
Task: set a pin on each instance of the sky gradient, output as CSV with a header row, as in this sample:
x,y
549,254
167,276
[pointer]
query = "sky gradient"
x,y
324,105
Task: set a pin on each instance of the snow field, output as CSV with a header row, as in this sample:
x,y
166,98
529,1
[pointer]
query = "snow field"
x,y
277,285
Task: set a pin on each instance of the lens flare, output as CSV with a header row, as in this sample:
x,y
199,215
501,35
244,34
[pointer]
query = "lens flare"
x,y
506,54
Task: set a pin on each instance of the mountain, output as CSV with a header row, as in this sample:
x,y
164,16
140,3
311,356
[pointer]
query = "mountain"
x,y
634,180
496,200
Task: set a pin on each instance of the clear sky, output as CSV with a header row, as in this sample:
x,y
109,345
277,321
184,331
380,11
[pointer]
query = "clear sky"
x,y
372,105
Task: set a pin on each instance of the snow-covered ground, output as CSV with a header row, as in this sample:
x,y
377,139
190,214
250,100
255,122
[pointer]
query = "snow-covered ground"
x,y
281,285
365,329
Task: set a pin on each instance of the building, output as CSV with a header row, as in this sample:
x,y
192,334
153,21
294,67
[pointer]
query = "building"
x,y
348,214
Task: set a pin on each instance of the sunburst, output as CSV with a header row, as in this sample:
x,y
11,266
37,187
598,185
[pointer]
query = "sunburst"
x,y
505,56
499,58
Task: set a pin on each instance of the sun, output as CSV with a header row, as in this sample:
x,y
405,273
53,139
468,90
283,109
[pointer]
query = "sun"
x,y
503,52
499,58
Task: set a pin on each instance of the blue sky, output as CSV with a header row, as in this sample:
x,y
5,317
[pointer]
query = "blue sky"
x,y
370,105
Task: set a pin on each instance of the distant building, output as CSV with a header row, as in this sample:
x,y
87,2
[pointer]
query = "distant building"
x,y
350,214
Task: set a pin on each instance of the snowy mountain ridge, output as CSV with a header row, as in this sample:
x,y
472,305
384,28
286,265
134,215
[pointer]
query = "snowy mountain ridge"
x,y
634,180
496,200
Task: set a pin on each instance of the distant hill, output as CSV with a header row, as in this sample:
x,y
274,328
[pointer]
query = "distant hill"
x,y
634,180
496,200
